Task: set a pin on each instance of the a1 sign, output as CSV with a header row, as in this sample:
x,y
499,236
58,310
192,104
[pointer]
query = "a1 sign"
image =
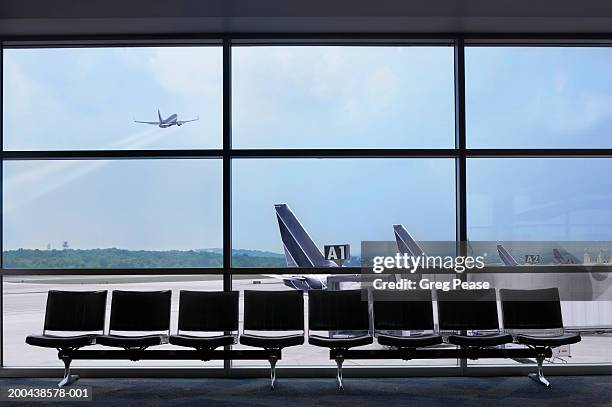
x,y
337,252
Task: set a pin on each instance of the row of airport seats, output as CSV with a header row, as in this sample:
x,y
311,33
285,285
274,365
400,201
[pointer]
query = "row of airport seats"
x,y
403,322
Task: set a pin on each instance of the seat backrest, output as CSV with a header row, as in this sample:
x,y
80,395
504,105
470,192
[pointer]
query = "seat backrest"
x,y
531,309
342,310
273,310
403,310
467,310
140,310
75,310
208,311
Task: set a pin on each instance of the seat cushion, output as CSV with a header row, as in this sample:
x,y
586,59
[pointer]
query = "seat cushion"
x,y
409,341
61,342
202,342
340,343
548,341
272,342
141,341
480,341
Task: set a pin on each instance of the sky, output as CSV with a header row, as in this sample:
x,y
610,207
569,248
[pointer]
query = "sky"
x,y
303,97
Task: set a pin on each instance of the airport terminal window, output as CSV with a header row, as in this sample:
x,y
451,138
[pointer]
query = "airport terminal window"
x,y
538,97
343,97
90,98
112,213
337,201
86,187
550,211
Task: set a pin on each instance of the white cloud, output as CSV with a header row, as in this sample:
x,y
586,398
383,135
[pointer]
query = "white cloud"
x,y
189,71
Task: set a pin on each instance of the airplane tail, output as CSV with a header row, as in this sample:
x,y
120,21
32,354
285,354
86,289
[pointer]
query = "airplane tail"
x,y
159,116
506,257
564,257
405,242
300,249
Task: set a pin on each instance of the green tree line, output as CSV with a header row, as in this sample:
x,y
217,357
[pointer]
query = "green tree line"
x,y
120,258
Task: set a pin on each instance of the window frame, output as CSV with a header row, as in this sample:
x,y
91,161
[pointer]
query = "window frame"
x,y
460,153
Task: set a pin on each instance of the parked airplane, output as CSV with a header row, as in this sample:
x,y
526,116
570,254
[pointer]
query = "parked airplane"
x,y
169,121
300,251
559,256
405,242
579,315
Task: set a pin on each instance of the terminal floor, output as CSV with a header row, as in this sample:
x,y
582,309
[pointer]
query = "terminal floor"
x,y
592,391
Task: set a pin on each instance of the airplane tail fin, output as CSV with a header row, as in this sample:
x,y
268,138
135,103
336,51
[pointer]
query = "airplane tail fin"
x,y
159,116
564,257
506,257
300,249
405,242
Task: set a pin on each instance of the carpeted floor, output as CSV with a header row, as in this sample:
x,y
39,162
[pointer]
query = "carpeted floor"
x,y
591,391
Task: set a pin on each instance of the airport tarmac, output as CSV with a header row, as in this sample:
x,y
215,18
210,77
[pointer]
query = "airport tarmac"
x,y
24,305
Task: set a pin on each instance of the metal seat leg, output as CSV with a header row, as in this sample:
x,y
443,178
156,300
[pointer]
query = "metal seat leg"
x,y
68,379
539,376
339,361
273,360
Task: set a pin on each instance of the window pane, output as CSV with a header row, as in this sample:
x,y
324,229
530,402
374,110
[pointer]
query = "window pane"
x,y
24,314
343,97
89,98
112,214
540,199
337,201
558,210
538,97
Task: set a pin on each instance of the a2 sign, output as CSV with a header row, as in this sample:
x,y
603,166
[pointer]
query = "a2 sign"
x,y
337,253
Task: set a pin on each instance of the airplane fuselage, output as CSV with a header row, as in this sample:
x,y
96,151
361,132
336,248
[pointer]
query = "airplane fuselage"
x,y
172,120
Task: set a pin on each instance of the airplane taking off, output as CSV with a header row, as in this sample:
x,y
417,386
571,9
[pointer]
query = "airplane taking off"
x,y
171,120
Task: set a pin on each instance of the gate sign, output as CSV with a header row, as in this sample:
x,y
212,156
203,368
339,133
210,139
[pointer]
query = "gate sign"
x,y
532,258
337,253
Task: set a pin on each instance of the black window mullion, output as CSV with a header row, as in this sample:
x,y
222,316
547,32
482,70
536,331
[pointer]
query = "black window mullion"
x,y
460,162
227,176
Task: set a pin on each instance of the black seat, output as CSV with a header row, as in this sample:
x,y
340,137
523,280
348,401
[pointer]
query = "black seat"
x,y
404,311
551,341
272,342
535,319
536,311
338,311
138,311
206,312
60,342
340,342
471,310
71,311
271,311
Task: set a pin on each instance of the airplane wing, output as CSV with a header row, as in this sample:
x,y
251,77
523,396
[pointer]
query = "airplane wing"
x,y
179,122
138,121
